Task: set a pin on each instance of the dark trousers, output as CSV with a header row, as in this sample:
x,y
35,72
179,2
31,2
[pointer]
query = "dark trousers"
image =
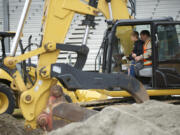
x,y
135,67
132,70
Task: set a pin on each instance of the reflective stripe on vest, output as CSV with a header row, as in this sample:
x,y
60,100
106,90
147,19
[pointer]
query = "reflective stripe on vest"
x,y
146,62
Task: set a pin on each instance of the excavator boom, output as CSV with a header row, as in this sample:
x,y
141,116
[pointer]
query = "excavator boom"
x,y
43,104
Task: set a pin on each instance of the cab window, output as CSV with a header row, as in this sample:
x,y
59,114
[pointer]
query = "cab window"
x,y
124,46
169,43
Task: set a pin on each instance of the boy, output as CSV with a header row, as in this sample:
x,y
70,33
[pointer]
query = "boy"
x,y
137,51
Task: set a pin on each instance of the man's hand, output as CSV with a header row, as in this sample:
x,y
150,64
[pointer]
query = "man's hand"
x,y
138,58
134,55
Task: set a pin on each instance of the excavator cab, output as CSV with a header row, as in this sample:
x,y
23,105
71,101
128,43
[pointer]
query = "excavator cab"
x,y
164,73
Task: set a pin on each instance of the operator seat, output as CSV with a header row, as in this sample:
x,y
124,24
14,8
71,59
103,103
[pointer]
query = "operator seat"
x,y
145,72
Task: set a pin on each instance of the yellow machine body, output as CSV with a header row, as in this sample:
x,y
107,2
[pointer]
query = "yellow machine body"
x,y
58,15
5,76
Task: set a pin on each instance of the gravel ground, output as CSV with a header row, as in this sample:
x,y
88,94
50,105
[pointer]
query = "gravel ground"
x,y
150,118
11,126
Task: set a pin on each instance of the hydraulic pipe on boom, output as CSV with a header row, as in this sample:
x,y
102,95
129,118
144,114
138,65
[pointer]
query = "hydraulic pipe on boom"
x,y
89,22
86,35
20,27
110,9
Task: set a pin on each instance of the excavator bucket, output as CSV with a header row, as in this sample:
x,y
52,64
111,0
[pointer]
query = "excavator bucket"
x,y
59,112
69,112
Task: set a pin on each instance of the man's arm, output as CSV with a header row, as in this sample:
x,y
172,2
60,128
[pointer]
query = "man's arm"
x,y
138,58
148,53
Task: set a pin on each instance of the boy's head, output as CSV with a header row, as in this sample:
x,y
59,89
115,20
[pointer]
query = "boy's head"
x,y
145,34
134,36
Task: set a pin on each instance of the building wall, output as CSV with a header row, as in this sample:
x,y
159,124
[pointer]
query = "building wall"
x,y
1,21
145,9
158,8
1,16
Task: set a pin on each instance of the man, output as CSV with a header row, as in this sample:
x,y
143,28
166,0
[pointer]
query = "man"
x,y
147,48
137,50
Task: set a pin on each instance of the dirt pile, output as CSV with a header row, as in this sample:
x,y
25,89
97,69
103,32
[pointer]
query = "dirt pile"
x,y
11,126
150,118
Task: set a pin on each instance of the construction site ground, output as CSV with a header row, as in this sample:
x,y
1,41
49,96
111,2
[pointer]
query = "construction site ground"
x,y
150,118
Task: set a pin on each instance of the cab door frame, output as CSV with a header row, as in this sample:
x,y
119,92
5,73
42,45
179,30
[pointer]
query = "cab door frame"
x,y
155,49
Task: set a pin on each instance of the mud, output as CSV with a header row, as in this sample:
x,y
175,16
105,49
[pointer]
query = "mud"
x,y
150,118
11,126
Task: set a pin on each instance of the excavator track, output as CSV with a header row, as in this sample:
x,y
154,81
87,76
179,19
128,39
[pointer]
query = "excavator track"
x,y
100,104
107,102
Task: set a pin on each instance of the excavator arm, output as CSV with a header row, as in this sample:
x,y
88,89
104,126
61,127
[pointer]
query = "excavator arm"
x,y
44,101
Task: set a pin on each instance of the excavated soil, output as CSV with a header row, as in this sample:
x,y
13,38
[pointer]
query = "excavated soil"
x,y
11,126
150,118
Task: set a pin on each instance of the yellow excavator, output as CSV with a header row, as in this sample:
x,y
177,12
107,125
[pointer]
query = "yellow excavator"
x,y
9,94
7,105
63,94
